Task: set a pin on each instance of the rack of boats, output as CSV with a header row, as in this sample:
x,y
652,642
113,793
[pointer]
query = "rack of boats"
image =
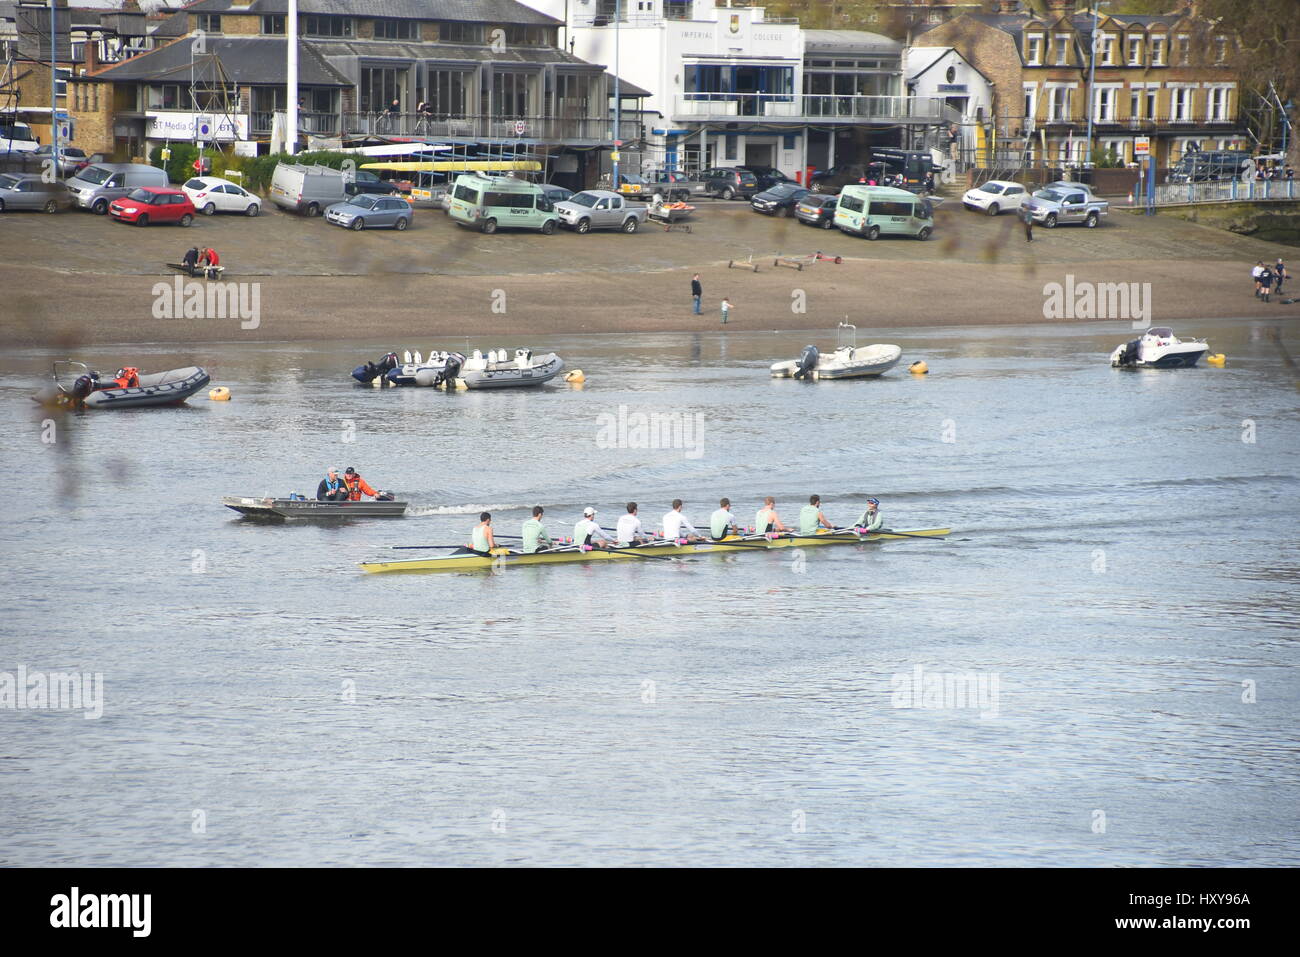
x,y
469,560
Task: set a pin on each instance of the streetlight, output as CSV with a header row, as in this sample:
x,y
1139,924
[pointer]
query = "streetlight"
x,y
618,101
1092,76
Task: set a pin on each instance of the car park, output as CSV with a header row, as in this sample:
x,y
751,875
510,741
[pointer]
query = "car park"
x,y
816,210
71,158
371,211
780,200
1070,203
31,191
729,183
875,211
153,204
488,203
995,196
600,209
96,186
211,194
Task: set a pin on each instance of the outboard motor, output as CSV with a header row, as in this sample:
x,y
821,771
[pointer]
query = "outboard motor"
x,y
83,386
367,373
1129,356
452,369
807,362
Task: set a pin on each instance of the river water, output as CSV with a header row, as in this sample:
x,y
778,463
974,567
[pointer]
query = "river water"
x,y
1121,586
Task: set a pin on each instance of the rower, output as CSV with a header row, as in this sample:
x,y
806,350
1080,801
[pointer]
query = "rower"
x,y
677,525
629,530
588,532
767,520
871,519
811,518
534,533
331,488
722,522
482,539
356,485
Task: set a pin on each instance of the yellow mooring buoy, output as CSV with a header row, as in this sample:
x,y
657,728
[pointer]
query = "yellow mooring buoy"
x,y
918,368
575,375
1218,359
219,394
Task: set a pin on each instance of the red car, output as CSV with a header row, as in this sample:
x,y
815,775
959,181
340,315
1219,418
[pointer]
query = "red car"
x,y
153,204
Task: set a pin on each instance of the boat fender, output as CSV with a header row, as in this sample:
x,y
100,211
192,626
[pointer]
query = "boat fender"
x,y
219,394
575,375
426,377
461,385
1218,359
918,368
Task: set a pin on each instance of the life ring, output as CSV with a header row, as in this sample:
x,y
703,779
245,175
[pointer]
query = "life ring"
x,y
219,394
575,375
918,367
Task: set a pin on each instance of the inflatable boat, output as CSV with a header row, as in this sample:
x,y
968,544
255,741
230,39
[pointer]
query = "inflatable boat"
x,y
497,370
77,386
848,361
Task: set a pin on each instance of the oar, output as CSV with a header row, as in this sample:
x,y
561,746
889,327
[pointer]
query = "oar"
x,y
466,547
890,531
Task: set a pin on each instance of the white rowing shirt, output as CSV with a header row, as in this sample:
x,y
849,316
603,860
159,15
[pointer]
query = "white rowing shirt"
x,y
629,528
588,527
676,525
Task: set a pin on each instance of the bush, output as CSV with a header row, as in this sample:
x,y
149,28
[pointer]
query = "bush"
x,y
181,165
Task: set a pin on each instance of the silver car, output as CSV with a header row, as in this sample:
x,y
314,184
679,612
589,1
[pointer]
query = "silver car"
x,y
599,209
370,210
29,191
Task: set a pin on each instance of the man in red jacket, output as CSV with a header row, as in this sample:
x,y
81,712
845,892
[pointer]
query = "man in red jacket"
x,y
356,485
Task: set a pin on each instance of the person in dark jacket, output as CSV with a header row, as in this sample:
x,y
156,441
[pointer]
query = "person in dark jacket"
x,y
191,260
332,488
697,292
1027,218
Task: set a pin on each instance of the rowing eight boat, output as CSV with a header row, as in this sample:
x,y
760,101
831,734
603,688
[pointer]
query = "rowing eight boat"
x,y
734,543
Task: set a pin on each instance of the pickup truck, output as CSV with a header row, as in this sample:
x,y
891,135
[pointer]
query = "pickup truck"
x,y
599,209
1066,204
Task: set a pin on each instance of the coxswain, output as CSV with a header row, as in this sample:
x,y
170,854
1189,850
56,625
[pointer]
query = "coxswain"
x,y
127,378
678,526
482,539
534,533
588,532
871,519
331,488
767,520
357,485
722,522
629,530
811,518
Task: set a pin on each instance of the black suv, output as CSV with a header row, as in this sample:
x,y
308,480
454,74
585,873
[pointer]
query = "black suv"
x,y
730,182
837,177
768,176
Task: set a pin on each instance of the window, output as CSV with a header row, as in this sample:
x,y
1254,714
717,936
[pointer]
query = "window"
x,y
1152,92
1158,51
1220,49
209,22
1031,106
888,208
315,25
1104,107
1218,105
1033,50
1135,105
1134,51
1058,103
379,87
466,195
397,29
1182,104
729,151
1062,50
1184,49
852,203
510,93
166,97
447,91
1107,51
508,200
524,36
273,24
460,32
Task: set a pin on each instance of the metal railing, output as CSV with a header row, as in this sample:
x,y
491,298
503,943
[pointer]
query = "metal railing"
x,y
321,124
795,106
1232,191
550,128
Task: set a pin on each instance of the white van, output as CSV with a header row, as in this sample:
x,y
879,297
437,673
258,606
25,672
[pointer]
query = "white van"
x,y
307,189
16,137
100,183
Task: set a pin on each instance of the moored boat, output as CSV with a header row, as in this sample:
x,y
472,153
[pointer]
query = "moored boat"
x,y
497,370
77,386
309,509
472,561
848,361
1159,348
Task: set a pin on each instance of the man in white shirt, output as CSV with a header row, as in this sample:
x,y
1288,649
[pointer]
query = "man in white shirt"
x,y
587,532
723,522
677,525
629,529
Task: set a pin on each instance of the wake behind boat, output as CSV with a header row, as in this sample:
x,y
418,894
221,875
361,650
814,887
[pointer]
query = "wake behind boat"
x,y
848,361
470,560
77,386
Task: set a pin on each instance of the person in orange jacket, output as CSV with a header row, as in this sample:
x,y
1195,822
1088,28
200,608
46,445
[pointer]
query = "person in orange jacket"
x,y
356,485
127,377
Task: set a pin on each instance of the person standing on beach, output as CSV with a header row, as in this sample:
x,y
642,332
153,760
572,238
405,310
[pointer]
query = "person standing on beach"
x,y
1280,275
1027,218
726,310
697,292
1255,274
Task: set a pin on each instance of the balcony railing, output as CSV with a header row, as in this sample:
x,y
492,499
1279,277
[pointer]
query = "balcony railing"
x,y
549,128
319,124
808,106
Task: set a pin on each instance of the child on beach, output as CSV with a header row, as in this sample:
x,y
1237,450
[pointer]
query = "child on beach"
x,y
726,310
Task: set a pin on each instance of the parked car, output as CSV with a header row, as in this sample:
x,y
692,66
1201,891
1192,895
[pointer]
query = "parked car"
x,y
767,176
837,177
307,189
1059,204
816,210
99,184
994,196
729,182
677,187
555,194
30,191
875,211
70,158
371,211
153,204
211,194
600,209
490,202
17,137
780,200
364,181
1068,184
635,186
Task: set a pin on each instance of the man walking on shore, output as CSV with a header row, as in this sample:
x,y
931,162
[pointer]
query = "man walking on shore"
x,y
697,292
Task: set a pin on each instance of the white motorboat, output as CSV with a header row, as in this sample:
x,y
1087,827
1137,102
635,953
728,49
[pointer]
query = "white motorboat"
x,y
1159,348
498,370
848,361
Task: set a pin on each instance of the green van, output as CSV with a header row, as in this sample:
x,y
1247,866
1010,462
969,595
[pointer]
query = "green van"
x,y
491,202
873,211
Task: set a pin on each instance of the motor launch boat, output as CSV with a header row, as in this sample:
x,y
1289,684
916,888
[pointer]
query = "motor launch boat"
x,y
848,361
1159,348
